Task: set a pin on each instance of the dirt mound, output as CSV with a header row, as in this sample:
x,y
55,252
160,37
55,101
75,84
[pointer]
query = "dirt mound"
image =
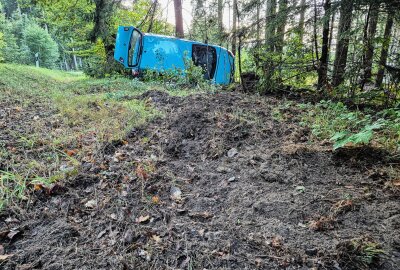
x,y
216,184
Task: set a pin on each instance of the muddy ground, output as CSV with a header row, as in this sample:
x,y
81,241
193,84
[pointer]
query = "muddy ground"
x,y
217,183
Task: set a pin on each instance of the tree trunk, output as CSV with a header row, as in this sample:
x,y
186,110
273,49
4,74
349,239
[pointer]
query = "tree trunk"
x,y
234,22
342,48
258,22
369,46
270,14
153,14
280,30
301,21
220,16
323,61
178,19
385,49
331,31
74,58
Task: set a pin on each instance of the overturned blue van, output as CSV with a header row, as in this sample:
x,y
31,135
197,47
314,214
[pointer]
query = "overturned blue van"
x,y
142,51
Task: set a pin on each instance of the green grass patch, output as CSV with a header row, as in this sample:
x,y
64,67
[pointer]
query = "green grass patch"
x,y
64,111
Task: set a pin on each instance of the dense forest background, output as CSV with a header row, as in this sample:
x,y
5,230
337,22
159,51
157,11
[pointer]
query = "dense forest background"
x,y
343,49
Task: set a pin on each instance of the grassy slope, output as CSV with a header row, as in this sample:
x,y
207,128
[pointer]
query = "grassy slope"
x,y
58,119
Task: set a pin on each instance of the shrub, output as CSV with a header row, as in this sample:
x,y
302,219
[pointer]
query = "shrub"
x,y
95,64
37,40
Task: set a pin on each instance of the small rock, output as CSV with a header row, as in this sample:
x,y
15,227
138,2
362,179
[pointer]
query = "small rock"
x,y
91,204
128,237
232,152
232,179
176,194
144,254
223,169
311,251
35,118
66,168
1,250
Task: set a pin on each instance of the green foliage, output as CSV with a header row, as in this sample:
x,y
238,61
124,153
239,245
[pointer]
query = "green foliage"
x,y
2,45
334,121
39,41
364,136
96,61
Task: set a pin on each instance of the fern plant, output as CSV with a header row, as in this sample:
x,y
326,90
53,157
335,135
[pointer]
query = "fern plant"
x,y
364,136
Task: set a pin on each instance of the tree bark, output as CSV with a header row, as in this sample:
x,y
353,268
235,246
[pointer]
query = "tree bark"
x,y
280,29
178,19
342,48
301,21
153,14
385,49
258,22
369,46
323,61
270,14
220,16
234,22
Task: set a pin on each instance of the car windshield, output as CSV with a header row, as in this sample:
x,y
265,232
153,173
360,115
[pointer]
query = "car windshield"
x,y
134,46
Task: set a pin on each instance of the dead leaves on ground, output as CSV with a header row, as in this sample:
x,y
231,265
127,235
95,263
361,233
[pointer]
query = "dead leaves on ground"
x,y
5,257
322,224
143,219
54,189
201,215
342,206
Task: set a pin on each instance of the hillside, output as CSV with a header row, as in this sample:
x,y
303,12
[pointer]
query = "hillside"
x,y
119,174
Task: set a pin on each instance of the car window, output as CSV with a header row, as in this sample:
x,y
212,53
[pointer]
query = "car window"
x,y
206,57
134,46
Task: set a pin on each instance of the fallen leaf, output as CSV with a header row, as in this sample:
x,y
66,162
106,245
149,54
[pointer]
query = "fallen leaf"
x,y
91,204
322,224
5,257
11,220
155,199
13,233
72,152
37,187
141,173
201,232
143,219
396,183
156,238
276,242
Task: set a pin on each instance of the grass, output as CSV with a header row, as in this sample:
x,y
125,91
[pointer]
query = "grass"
x,y
60,112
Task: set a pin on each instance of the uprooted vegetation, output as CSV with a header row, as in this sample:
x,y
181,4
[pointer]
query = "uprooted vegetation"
x,y
214,181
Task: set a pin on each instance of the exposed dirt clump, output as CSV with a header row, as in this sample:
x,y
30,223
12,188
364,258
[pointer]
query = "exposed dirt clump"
x,y
215,184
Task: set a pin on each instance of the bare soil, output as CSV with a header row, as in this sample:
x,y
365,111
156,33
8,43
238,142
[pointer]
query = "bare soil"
x,y
217,183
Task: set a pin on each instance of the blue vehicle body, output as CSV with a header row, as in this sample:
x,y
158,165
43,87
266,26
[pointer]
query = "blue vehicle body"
x,y
141,51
